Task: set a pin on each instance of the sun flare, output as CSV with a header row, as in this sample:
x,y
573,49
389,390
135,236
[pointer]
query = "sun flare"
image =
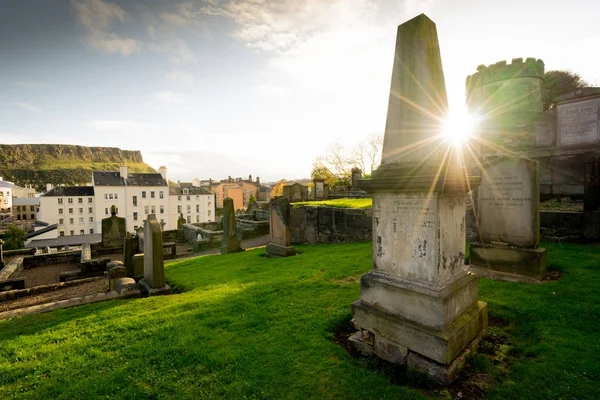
x,y
458,128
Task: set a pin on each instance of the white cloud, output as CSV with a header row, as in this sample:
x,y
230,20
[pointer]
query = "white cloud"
x,y
97,17
276,91
27,84
27,106
169,97
180,77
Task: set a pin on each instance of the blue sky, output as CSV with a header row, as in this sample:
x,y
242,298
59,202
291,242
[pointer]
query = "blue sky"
x,y
214,88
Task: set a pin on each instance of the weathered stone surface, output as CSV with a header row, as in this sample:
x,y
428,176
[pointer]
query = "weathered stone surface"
x,y
154,266
230,243
508,263
362,343
12,284
280,234
115,270
508,202
113,229
128,254
578,123
389,350
138,265
67,276
12,269
125,285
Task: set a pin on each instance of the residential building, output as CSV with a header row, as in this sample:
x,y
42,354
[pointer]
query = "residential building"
x,y
239,191
25,212
72,208
6,195
197,204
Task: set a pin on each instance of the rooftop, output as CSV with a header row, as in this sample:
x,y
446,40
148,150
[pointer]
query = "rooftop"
x,y
103,178
61,241
60,191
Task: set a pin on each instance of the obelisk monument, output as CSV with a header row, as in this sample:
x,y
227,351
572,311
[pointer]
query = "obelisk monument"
x,y
419,305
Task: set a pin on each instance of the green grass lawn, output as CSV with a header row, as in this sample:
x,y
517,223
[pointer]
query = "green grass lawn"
x,y
247,326
338,203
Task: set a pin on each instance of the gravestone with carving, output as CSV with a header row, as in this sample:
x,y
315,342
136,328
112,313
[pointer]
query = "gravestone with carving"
x,y
230,242
113,229
153,282
509,222
419,305
280,235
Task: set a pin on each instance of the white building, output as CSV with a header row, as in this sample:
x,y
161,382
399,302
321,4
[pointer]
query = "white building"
x,y
72,208
6,194
196,204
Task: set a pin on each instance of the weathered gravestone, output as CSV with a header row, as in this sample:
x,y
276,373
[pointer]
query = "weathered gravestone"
x,y
153,282
181,221
230,242
318,187
113,229
280,243
419,305
1,254
509,222
128,254
115,270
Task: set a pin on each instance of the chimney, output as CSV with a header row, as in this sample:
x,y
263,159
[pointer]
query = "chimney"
x,y
163,172
250,177
229,178
49,187
123,173
209,181
258,181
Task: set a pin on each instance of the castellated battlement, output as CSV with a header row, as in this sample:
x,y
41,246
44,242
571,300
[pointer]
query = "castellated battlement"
x,y
530,68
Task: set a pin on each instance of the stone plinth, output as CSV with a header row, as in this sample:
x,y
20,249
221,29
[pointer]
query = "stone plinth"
x,y
113,229
508,218
419,304
280,235
154,266
230,243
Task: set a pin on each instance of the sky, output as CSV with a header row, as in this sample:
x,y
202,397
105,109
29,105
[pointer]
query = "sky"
x,y
213,88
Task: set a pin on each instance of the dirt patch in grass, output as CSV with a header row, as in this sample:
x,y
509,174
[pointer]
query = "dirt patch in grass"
x,y
473,382
552,276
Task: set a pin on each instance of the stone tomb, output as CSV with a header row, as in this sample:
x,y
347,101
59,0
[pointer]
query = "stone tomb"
x,y
230,242
280,243
153,282
508,219
419,305
113,229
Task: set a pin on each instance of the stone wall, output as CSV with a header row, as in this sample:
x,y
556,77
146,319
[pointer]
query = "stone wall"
x,y
329,225
61,257
210,231
247,226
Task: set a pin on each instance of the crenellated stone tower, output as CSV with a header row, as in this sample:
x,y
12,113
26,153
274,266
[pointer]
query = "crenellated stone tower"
x,y
508,98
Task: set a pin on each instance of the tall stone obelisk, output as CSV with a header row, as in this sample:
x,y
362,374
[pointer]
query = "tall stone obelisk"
x,y
419,304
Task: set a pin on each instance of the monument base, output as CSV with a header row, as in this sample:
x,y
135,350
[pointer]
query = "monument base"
x,y
508,263
231,246
147,290
277,250
439,353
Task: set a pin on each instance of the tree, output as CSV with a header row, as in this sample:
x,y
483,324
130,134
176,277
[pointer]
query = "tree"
x,y
251,201
559,82
14,238
277,189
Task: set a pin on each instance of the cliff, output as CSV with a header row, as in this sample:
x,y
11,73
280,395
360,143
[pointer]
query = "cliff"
x,y
39,164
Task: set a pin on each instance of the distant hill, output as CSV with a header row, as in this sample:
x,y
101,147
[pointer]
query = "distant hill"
x,y
39,164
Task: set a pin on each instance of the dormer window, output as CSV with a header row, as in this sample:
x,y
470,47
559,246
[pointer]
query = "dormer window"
x,y
185,191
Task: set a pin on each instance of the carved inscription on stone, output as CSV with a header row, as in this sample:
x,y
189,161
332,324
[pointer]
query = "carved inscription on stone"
x,y
578,123
508,202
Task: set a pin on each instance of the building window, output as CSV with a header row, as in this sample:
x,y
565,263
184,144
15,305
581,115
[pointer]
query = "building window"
x,y
18,217
60,210
135,216
152,194
80,200
81,220
187,198
197,218
197,197
135,227
81,232
91,231
72,233
189,219
135,201
70,200
161,195
178,209
209,213
61,233
70,211
32,216
60,201
146,210
110,196
209,203
31,208
153,210
90,199
197,208
143,194
80,210
162,209
116,197
61,221
90,210
189,209
106,211
91,219
178,198
71,220
185,191
105,196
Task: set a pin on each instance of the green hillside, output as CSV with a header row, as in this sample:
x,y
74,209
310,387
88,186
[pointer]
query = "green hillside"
x,y
39,164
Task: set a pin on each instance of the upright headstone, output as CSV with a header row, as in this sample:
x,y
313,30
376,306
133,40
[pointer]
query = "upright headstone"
x,y
508,220
181,221
1,254
356,177
280,235
113,229
419,304
128,254
318,185
230,243
154,266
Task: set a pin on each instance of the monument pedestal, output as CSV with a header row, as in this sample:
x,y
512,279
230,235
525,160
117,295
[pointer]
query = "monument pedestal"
x,y
277,250
231,244
148,290
508,263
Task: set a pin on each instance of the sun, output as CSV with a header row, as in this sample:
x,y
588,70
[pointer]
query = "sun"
x,y
459,127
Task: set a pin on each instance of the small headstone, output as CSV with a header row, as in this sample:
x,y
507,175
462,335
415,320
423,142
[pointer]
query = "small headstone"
x,y
230,243
115,270
280,244
125,286
128,254
113,229
356,176
138,265
1,254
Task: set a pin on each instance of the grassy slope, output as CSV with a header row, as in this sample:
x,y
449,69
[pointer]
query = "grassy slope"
x,y
338,203
253,327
